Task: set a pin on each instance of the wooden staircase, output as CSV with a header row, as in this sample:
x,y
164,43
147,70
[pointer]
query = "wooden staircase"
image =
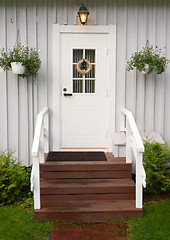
x,y
87,191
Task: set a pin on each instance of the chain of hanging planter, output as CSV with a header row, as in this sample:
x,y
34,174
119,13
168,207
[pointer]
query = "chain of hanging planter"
x,y
84,66
18,67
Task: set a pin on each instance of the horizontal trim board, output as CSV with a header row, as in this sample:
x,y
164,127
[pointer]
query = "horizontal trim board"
x,y
84,29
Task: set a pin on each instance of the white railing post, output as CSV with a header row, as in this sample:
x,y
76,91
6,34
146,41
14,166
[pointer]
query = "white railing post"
x,y
46,133
134,143
39,147
36,183
128,143
139,188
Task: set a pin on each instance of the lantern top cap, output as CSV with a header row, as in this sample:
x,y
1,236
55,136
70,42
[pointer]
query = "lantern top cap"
x,y
83,9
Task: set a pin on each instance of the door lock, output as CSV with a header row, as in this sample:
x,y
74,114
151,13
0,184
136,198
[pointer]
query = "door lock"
x,y
64,89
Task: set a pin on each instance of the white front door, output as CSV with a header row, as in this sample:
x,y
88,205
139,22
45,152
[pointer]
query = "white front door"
x,y
84,96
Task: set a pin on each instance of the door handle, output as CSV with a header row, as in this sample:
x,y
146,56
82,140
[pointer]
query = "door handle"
x,y
67,94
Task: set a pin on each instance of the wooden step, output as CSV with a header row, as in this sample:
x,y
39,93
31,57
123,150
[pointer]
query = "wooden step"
x,y
85,170
90,186
86,174
86,189
88,211
84,166
49,200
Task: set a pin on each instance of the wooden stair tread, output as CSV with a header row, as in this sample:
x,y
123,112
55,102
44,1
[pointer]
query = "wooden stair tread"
x,y
91,206
83,163
83,187
84,166
89,183
50,199
86,174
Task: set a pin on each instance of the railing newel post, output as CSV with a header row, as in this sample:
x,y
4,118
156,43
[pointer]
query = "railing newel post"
x,y
36,181
40,146
139,188
134,142
46,133
128,143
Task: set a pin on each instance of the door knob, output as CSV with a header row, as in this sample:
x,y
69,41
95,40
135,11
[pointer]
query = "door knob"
x,y
67,94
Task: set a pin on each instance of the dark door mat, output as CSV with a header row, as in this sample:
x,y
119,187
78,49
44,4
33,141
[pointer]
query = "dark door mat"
x,y
76,156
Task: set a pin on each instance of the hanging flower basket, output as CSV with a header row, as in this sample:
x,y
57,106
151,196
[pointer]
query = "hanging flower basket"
x,y
17,68
23,61
148,60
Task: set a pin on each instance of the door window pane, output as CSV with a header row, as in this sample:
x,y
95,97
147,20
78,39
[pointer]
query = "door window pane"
x,y
91,74
77,86
90,86
90,55
77,55
75,73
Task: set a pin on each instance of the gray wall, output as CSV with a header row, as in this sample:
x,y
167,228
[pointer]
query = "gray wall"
x,y
137,21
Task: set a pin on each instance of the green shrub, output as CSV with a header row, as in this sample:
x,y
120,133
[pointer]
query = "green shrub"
x,y
14,179
156,160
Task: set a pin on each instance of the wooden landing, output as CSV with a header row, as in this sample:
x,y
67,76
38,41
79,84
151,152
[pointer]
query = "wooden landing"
x,y
88,191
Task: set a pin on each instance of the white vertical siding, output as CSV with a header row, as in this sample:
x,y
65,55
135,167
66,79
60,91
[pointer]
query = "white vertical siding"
x,y
3,82
121,58
137,21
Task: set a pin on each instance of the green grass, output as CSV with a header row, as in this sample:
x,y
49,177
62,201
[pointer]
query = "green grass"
x,y
18,224
155,224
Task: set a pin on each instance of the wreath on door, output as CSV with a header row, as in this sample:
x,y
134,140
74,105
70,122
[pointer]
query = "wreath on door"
x,y
84,66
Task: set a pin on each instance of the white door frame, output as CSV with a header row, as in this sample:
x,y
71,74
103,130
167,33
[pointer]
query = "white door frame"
x,y
56,77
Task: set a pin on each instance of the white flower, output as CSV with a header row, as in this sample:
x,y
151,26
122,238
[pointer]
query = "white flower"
x,y
1,69
146,67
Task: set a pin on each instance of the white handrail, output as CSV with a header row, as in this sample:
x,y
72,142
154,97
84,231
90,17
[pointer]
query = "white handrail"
x,y
38,128
39,148
134,129
134,144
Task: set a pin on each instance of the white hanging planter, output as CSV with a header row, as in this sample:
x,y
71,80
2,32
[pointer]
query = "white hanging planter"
x,y
146,68
17,68
143,72
1,69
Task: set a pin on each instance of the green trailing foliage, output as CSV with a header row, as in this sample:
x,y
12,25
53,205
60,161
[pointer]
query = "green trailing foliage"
x,y
148,60
14,179
29,57
156,160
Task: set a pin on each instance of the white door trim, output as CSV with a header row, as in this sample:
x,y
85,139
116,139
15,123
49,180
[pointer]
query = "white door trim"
x,y
56,78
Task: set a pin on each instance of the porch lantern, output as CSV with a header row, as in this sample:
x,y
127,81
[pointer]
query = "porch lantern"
x,y
83,14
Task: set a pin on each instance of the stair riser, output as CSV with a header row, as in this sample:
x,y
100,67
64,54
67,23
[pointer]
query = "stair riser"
x,y
86,217
91,175
86,190
49,199
83,167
